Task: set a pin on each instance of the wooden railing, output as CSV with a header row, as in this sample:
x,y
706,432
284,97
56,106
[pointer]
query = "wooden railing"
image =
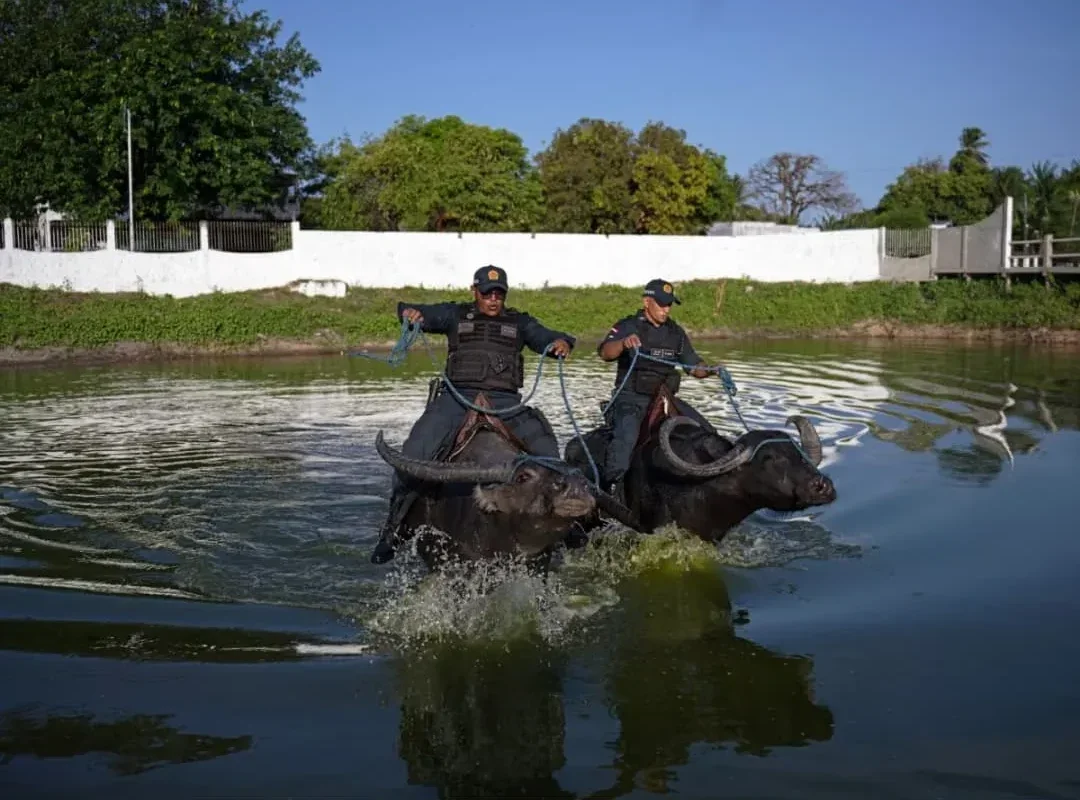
x,y
1045,255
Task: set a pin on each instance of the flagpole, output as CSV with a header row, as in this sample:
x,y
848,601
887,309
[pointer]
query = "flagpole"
x,y
131,193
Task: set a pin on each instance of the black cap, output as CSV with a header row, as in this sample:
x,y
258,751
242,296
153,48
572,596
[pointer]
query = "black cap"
x,y
488,278
661,291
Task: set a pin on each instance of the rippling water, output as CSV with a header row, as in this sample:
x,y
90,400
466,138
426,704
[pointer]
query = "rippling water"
x,y
188,602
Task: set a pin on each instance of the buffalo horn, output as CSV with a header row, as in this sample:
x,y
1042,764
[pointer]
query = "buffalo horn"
x,y
808,438
734,458
612,507
440,472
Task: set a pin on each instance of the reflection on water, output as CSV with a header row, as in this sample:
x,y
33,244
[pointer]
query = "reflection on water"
x,y
680,677
150,642
177,517
133,744
483,721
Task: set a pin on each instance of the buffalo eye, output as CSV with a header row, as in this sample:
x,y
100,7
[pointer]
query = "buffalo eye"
x,y
521,477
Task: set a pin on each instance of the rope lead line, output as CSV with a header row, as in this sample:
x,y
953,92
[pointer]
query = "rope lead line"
x,y
411,332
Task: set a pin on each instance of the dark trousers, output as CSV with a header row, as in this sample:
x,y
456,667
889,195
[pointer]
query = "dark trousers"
x,y
625,417
437,425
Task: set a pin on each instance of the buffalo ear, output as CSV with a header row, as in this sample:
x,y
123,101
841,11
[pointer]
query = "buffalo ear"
x,y
487,497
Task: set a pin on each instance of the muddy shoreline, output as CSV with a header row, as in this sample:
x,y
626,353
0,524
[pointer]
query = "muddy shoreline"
x,y
134,352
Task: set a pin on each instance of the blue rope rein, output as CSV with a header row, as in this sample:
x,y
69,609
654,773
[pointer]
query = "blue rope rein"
x,y
725,378
412,332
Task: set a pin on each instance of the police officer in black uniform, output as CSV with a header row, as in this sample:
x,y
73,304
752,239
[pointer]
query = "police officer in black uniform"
x,y
653,332
485,339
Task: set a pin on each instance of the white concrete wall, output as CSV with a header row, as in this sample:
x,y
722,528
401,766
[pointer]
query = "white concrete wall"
x,y
441,260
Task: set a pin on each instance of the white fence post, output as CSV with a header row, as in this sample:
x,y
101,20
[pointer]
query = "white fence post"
x,y
1007,234
9,233
204,235
110,234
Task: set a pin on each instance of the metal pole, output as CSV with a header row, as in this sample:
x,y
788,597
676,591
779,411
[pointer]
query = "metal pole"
x,y
131,193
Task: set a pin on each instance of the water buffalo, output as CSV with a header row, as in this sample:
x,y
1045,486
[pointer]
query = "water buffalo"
x,y
484,501
704,482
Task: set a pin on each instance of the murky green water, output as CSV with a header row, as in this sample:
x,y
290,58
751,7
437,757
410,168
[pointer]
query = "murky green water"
x,y
187,607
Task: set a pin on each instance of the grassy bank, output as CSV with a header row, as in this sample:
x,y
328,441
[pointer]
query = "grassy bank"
x,y
54,323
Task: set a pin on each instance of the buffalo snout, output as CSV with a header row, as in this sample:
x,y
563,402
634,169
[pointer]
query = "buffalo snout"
x,y
572,497
820,490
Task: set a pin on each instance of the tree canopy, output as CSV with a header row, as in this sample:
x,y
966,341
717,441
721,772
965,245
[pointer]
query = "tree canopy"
x,y
211,95
599,177
431,175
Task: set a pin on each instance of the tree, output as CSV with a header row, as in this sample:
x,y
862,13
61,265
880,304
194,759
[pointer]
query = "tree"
x,y
599,177
673,184
211,93
787,185
973,144
585,174
723,194
432,175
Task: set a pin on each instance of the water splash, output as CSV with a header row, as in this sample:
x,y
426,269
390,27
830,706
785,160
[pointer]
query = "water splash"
x,y
499,601
502,602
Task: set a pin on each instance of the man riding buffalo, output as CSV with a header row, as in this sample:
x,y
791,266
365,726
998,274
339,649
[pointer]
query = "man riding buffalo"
x,y
485,340
654,333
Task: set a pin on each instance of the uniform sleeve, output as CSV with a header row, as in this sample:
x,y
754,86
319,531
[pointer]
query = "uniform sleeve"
x,y
537,337
438,317
687,353
620,330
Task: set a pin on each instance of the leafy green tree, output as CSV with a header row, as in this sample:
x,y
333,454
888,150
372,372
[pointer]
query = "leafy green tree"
x,y
211,93
432,175
671,182
961,193
1051,201
599,177
1006,182
586,175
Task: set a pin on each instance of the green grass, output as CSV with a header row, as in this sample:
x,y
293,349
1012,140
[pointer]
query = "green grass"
x,y
32,318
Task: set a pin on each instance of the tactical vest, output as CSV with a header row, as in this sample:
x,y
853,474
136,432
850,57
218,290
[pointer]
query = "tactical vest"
x,y
485,352
663,342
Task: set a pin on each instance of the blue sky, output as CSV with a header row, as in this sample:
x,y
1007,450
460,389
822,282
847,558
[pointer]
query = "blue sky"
x,y
869,86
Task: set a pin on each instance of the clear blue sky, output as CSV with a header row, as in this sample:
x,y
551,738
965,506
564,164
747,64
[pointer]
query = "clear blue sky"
x,y
870,86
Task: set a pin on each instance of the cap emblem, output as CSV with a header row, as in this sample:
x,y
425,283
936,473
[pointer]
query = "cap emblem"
x,y
667,288
493,274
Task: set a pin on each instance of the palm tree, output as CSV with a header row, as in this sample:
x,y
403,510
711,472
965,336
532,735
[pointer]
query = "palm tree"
x,y
973,144
1044,182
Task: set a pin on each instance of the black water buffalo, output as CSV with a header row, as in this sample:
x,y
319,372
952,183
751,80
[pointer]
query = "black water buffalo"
x,y
704,482
484,501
